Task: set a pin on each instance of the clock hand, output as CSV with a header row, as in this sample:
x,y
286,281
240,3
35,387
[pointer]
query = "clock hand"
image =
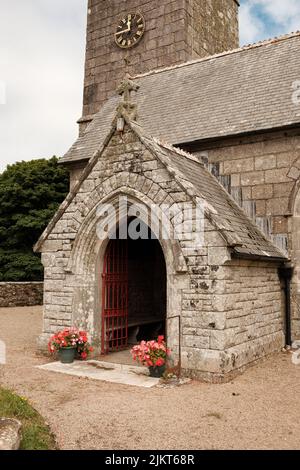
x,y
123,31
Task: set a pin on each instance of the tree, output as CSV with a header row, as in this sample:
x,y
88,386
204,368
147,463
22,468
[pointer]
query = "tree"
x,y
30,193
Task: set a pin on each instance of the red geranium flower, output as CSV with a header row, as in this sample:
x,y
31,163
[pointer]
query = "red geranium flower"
x,y
160,362
71,337
151,353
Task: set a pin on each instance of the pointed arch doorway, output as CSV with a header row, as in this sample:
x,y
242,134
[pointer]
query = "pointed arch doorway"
x,y
134,293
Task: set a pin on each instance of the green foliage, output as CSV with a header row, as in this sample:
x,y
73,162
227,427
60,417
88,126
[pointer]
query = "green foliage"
x,y
35,433
30,193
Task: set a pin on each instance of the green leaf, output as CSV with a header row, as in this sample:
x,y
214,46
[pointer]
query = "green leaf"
x,y
30,193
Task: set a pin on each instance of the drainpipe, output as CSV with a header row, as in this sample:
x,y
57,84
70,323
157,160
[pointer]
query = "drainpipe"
x,y
286,274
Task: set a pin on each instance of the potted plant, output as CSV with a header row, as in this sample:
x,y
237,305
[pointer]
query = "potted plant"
x,y
70,343
152,354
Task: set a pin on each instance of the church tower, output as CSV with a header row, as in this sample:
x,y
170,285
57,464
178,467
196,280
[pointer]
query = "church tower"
x,y
136,36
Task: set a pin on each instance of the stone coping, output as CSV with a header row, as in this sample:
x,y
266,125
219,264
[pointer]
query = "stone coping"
x,y
21,283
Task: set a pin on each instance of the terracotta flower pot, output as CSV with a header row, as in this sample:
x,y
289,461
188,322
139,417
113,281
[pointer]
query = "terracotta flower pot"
x,y
157,371
67,355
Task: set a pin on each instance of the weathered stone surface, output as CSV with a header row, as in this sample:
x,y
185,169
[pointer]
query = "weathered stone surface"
x,y
235,179
53,245
280,225
265,162
15,294
217,255
296,358
238,166
283,189
294,173
252,178
277,206
264,191
276,176
10,434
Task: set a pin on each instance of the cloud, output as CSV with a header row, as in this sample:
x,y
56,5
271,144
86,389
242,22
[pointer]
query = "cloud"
x,y
251,27
42,45
285,13
262,19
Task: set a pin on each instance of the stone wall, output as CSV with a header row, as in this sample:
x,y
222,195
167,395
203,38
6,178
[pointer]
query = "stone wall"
x,y
176,31
262,173
214,26
18,294
244,321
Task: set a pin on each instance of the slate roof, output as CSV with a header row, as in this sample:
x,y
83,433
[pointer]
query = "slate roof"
x,y
238,230
241,91
240,233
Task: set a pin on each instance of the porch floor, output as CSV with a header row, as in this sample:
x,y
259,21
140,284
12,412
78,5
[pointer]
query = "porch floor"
x,y
104,371
119,357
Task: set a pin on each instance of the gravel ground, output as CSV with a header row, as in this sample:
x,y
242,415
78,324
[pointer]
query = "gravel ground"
x,y
258,410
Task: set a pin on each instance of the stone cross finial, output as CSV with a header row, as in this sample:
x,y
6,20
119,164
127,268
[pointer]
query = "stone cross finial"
x,y
126,106
126,87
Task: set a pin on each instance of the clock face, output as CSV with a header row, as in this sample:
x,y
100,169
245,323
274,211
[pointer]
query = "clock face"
x,y
130,30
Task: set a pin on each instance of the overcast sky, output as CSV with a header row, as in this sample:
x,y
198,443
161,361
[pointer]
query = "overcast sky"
x,y
42,46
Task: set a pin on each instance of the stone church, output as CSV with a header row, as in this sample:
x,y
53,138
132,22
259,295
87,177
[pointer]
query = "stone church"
x,y
175,113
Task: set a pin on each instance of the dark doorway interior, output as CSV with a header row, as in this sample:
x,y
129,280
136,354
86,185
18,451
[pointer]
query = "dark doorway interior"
x,y
134,284
146,290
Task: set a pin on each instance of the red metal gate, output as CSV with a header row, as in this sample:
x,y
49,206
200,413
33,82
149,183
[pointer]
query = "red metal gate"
x,y
115,297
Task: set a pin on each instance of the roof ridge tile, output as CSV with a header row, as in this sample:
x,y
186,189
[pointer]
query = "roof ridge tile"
x,y
247,47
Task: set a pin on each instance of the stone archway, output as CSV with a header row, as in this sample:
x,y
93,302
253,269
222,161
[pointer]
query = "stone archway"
x,y
85,266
